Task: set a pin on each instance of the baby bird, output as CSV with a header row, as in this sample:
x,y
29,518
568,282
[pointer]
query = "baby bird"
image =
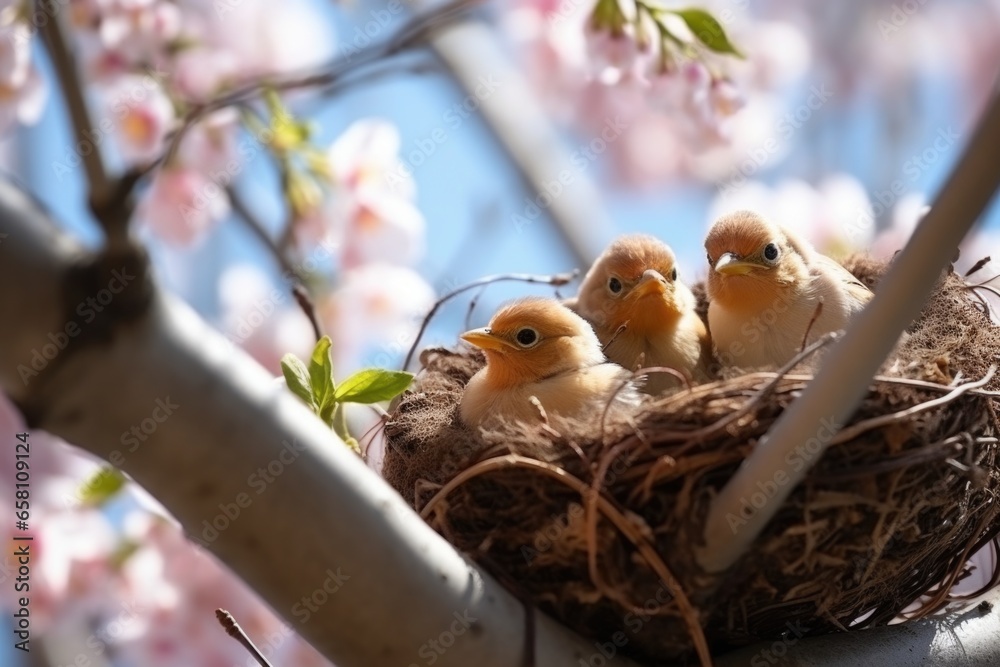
x,y
634,283
537,347
764,288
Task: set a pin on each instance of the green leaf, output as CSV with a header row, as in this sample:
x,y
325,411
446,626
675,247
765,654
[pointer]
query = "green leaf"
x,y
321,372
707,30
373,385
297,378
101,487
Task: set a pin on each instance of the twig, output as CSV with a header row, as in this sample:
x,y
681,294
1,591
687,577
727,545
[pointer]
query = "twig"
x,y
254,224
64,65
815,316
882,420
622,328
234,630
978,265
696,436
298,289
647,370
305,302
557,280
611,401
473,302
410,36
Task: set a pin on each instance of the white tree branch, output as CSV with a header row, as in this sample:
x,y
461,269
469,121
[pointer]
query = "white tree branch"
x,y
968,638
323,519
847,371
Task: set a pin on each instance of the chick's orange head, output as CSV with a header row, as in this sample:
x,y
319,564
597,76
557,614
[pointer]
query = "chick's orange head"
x,y
749,258
633,281
532,339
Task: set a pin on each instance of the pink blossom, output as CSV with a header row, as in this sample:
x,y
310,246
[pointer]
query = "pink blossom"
x,y
260,40
262,318
182,205
376,305
181,627
613,56
210,146
139,29
201,72
22,91
142,114
725,98
370,213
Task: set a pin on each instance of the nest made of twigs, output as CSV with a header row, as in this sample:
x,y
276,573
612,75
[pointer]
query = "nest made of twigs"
x,y
597,522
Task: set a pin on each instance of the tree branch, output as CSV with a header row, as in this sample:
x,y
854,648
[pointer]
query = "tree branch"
x,y
64,65
235,439
851,363
413,34
256,227
110,198
298,288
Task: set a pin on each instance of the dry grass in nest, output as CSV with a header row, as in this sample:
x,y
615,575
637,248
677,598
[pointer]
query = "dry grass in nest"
x,y
597,522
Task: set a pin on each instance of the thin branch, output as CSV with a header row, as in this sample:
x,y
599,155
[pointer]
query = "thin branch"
x,y
254,224
110,198
977,266
413,34
622,328
815,316
556,280
305,302
894,417
234,630
298,288
64,64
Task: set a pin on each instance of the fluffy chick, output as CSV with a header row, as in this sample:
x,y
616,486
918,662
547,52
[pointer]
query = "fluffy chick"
x,y
634,283
539,348
764,287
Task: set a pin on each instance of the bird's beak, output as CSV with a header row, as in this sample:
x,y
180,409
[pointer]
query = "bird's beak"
x,y
483,339
730,265
650,283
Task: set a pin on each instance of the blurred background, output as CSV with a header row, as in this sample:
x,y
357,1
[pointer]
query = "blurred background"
x,y
521,141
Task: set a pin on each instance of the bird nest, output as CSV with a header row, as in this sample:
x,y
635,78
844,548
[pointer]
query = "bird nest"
x,y
597,522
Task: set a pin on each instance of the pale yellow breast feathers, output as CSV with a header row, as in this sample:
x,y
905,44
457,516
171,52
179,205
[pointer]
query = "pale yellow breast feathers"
x,y
538,348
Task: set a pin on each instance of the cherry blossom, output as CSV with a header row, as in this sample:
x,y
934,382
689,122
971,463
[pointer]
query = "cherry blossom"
x,y
370,211
377,306
182,205
262,317
22,91
675,108
143,117
139,29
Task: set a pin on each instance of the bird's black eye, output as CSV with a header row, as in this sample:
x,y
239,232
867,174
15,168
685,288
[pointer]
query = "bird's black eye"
x,y
673,274
527,337
615,285
771,252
